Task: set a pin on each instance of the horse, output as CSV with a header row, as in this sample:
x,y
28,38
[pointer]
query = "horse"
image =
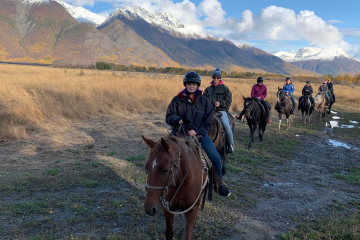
x,y
306,108
176,180
320,104
284,106
218,136
255,116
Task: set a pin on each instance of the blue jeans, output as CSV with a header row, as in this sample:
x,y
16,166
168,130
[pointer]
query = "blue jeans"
x,y
210,150
225,122
293,99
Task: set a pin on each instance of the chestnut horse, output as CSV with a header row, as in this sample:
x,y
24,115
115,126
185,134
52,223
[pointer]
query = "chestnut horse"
x,y
176,180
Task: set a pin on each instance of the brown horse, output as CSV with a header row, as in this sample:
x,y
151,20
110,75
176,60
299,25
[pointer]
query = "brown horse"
x,y
218,136
176,180
284,106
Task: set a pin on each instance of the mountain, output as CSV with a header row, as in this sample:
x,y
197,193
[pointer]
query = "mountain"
x,y
51,31
82,14
324,61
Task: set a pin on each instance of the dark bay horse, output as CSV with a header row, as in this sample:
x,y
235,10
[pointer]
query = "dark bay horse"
x,y
255,116
284,106
218,136
306,108
176,180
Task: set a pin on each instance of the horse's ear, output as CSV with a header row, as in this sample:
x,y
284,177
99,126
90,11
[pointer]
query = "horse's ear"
x,y
148,142
244,98
164,145
278,88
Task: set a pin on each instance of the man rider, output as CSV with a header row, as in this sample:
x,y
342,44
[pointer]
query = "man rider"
x,y
324,89
331,88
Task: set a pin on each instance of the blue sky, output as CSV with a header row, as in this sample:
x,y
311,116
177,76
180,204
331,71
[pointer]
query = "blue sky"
x,y
276,25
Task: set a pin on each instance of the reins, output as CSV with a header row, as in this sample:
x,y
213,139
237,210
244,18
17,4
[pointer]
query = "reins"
x,y
167,205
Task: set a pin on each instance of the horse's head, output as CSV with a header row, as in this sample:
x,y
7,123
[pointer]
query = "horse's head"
x,y
248,106
280,94
319,98
158,167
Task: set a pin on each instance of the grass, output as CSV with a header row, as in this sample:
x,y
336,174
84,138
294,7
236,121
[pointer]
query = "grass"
x,y
34,99
353,177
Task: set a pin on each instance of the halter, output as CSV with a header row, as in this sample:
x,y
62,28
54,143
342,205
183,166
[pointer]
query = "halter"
x,y
253,110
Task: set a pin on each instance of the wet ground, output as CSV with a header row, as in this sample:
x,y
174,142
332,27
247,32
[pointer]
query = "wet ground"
x,y
85,181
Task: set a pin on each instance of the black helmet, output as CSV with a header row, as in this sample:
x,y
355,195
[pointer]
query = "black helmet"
x,y
288,79
308,82
192,77
260,79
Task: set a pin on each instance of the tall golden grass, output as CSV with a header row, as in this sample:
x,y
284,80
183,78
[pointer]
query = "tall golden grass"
x,y
33,98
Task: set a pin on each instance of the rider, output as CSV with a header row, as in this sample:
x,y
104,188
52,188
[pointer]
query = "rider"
x,y
194,111
220,97
324,89
307,91
331,88
289,90
258,91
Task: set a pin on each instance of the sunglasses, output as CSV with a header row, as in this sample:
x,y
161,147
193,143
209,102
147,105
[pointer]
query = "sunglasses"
x,y
216,77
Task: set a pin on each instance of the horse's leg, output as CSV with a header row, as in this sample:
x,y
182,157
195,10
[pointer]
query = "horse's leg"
x,y
260,127
190,218
303,116
223,158
169,224
279,121
251,135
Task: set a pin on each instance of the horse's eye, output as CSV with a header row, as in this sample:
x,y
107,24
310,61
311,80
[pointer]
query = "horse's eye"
x,y
165,171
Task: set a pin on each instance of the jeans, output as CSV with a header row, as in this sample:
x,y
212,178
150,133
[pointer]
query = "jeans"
x,y
327,97
266,108
225,122
293,99
210,150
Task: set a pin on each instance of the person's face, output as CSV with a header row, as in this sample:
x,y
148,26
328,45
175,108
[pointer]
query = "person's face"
x,y
288,82
324,84
308,84
191,87
329,80
216,80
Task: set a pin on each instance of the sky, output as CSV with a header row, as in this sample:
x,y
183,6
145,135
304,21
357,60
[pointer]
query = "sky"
x,y
271,25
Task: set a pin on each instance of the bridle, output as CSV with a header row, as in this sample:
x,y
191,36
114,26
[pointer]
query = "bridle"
x,y
252,110
165,204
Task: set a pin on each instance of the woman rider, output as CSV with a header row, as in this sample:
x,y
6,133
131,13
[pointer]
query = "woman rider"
x,y
194,111
258,91
220,97
324,89
307,91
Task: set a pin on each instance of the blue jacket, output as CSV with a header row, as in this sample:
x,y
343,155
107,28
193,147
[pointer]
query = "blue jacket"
x,y
289,88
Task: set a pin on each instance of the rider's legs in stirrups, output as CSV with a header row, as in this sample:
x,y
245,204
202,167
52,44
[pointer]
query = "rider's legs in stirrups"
x,y
225,121
294,102
266,109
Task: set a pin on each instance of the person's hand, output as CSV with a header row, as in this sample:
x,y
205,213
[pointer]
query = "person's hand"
x,y
192,133
217,104
180,122
307,90
287,93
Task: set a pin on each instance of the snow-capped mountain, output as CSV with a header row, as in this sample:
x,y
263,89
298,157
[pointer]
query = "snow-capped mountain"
x,y
312,53
30,2
164,21
81,14
324,61
243,45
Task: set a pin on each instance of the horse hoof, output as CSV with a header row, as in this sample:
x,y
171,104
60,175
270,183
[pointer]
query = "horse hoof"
x,y
249,148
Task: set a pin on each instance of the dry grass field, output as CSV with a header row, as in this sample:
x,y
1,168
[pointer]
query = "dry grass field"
x,y
36,98
72,162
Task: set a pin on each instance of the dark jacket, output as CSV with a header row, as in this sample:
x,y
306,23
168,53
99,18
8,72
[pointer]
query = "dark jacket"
x,y
330,87
219,93
309,90
323,89
196,115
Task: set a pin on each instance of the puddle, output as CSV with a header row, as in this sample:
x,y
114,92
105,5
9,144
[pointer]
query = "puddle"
x,y
354,122
336,117
333,112
333,124
346,126
297,135
335,143
279,184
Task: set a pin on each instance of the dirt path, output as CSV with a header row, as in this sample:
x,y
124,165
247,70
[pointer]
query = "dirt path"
x,y
84,180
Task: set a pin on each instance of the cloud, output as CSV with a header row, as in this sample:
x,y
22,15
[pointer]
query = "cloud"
x,y
334,21
351,32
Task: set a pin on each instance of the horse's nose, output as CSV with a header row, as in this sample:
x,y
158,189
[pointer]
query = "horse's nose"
x,y
153,211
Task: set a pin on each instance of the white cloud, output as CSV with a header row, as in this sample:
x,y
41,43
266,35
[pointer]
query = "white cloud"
x,y
334,21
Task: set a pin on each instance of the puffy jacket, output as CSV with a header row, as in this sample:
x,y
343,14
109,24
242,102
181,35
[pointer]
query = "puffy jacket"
x,y
259,91
323,89
309,90
289,88
330,87
219,93
196,115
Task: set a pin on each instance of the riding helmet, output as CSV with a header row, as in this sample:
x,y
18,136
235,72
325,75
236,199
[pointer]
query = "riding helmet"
x,y
308,82
288,79
192,77
260,79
